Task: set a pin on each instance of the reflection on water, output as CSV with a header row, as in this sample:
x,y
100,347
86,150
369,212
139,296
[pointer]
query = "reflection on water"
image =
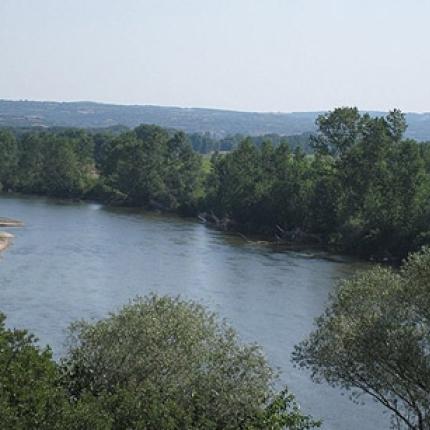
x,y
73,261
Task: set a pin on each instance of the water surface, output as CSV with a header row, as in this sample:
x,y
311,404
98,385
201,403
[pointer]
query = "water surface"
x,y
73,261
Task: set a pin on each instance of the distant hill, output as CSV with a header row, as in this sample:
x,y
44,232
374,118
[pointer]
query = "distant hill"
x,y
218,122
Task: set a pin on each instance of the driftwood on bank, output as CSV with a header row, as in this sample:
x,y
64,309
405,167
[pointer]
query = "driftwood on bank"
x,y
224,223
7,222
281,235
296,235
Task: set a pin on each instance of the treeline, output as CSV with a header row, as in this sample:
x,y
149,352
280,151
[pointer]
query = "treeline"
x,y
158,363
144,167
205,143
364,189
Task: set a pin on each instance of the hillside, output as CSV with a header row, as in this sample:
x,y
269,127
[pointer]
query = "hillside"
x,y
192,120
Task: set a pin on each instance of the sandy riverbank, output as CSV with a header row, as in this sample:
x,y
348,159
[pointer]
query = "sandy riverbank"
x,y
5,237
5,240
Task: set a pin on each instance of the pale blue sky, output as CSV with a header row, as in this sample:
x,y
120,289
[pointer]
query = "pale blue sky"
x,y
254,55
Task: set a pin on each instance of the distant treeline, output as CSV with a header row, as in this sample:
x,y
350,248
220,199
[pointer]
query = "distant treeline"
x,y
206,143
217,122
364,190
203,143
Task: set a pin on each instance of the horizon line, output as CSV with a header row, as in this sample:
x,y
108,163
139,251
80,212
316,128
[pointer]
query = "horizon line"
x,y
272,112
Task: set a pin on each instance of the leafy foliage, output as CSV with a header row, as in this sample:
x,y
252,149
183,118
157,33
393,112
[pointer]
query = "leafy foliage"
x,y
374,338
8,159
150,168
166,363
31,395
57,165
159,363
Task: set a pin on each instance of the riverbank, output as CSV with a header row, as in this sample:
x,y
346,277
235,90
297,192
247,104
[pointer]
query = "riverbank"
x,y
7,222
294,239
5,240
277,237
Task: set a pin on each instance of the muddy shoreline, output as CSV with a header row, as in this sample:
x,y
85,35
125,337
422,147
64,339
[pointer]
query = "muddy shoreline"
x,y
6,237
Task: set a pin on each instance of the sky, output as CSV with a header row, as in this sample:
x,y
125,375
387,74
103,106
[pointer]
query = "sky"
x,y
250,55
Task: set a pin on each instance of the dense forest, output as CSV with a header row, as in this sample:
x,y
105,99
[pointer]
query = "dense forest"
x,y
364,189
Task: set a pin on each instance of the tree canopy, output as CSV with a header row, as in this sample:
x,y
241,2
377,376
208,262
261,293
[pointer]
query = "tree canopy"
x,y
31,392
158,363
167,363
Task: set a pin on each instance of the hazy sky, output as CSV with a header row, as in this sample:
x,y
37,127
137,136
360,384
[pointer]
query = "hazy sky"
x,y
254,55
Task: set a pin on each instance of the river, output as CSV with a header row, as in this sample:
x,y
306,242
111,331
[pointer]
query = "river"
x,y
81,260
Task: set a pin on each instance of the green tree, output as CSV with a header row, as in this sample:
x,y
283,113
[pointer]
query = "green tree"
x,y
182,174
31,161
148,167
233,184
374,338
166,363
323,206
134,168
31,395
397,125
55,164
8,159
337,130
282,413
292,187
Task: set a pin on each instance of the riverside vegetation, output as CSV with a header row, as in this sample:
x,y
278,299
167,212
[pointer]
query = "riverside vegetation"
x,y
365,190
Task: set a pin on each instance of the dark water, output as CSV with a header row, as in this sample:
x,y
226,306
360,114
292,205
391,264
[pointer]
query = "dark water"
x,y
74,261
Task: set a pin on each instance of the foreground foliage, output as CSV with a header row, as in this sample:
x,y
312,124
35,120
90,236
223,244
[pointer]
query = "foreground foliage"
x,y
159,363
374,338
31,393
166,363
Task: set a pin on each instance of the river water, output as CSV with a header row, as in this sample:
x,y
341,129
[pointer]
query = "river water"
x,y
73,261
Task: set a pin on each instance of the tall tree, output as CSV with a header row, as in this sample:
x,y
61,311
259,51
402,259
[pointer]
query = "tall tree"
x,y
374,338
